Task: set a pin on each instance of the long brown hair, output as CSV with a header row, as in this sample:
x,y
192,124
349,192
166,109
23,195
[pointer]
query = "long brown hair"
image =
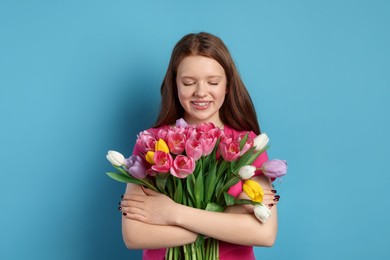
x,y
237,110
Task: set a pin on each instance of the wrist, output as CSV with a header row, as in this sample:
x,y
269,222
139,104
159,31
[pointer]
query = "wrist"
x,y
177,214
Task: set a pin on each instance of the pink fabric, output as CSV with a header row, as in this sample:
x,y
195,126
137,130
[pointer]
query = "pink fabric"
x,y
227,251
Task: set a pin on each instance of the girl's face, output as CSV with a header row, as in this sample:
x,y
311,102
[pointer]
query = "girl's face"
x,y
201,85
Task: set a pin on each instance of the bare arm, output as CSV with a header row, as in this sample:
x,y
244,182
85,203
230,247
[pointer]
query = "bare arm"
x,y
140,235
179,224
243,228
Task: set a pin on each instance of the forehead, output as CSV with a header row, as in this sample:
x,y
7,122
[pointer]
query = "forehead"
x,y
193,66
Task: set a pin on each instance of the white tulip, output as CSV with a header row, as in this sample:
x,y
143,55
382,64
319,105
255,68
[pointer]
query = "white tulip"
x,y
247,171
262,213
260,141
115,158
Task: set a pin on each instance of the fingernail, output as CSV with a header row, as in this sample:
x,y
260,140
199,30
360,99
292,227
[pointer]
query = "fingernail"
x,y
277,196
273,191
270,205
122,196
119,203
124,214
276,199
119,208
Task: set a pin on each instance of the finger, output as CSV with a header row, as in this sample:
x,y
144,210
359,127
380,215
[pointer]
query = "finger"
x,y
134,197
133,210
269,191
150,192
273,198
135,217
130,203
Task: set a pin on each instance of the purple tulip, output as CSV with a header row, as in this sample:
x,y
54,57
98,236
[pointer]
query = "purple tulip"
x,y
135,166
181,123
274,168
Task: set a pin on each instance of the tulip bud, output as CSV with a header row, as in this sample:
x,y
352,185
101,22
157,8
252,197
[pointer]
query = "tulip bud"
x,y
260,141
247,171
161,145
262,213
149,157
254,190
181,123
274,168
115,158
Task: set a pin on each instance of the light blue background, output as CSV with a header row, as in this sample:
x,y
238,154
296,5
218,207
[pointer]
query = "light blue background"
x,y
80,77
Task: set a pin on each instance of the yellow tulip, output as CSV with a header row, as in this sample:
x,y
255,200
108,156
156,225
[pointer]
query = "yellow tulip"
x,y
254,190
150,157
161,145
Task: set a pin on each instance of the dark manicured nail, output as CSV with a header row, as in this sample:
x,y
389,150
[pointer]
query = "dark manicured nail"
x,y
276,199
119,208
122,196
270,205
273,191
124,214
277,196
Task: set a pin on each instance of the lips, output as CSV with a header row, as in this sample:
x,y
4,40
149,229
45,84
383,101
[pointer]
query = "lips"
x,y
201,104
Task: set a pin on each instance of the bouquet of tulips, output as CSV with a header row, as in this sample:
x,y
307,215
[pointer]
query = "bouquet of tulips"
x,y
196,166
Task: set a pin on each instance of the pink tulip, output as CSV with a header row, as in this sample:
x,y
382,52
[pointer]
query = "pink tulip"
x,y
229,151
191,133
274,168
226,139
146,141
163,162
248,144
205,127
163,133
216,132
193,149
176,142
135,166
182,166
208,142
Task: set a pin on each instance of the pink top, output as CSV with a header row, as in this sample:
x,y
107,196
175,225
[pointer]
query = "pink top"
x,y
227,251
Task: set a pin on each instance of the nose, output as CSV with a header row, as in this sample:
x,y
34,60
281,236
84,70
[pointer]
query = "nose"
x,y
201,90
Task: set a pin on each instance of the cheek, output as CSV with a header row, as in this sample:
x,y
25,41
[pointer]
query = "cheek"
x,y
183,93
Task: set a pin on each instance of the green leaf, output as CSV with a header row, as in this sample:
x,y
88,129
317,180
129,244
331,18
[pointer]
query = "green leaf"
x,y
170,187
190,181
243,141
129,179
214,207
228,184
199,187
210,181
229,199
178,192
161,180
246,202
124,178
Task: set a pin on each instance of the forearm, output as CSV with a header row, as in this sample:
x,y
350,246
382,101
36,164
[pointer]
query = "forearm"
x,y
244,229
139,235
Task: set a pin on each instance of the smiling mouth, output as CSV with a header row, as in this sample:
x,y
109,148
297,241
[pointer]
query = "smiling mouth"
x,y
201,104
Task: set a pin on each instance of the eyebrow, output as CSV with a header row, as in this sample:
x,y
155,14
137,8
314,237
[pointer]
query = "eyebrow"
x,y
209,77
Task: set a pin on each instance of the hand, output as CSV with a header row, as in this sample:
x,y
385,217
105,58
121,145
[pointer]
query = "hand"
x,y
151,207
270,198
